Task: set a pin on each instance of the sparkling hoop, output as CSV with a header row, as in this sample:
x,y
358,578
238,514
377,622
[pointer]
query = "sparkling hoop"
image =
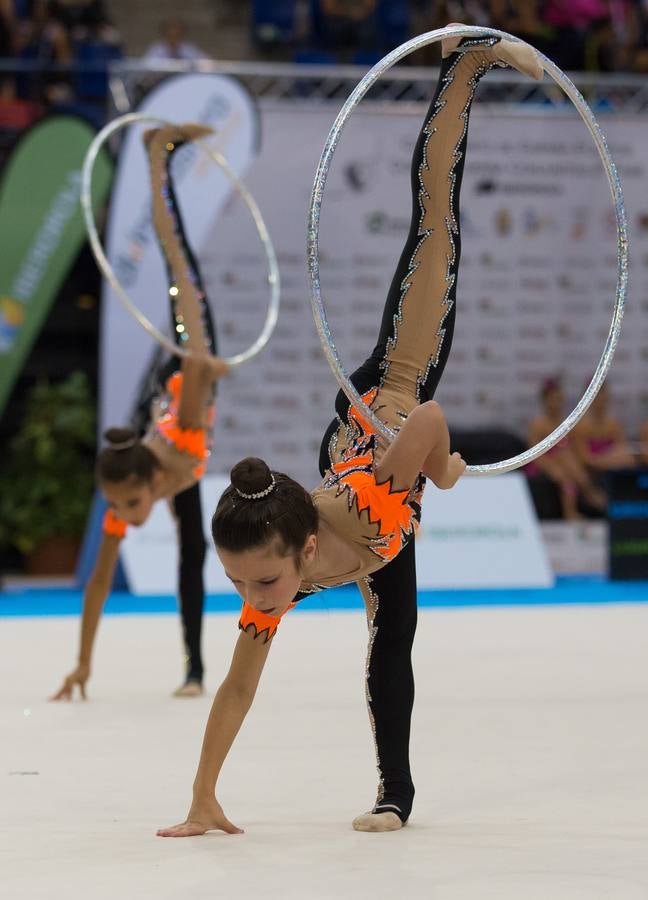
x,y
109,273
315,209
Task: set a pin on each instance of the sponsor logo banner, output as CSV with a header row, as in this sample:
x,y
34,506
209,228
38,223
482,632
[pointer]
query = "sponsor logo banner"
x,y
41,230
483,533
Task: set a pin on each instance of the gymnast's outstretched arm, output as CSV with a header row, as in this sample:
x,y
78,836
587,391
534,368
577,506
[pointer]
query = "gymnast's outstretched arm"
x,y
94,598
230,707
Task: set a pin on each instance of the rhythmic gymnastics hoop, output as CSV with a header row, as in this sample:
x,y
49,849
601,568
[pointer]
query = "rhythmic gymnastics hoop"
x,y
317,196
109,273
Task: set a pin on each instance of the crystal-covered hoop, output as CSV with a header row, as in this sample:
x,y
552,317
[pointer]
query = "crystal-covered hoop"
x,y
109,273
317,196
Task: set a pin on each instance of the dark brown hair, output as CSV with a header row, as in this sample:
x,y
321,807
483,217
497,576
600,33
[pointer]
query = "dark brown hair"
x,y
125,457
287,512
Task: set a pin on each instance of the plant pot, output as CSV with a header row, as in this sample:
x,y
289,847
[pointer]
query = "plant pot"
x,y
54,556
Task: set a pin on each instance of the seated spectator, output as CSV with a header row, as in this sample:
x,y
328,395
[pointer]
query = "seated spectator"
x,y
16,114
599,440
561,464
92,25
43,35
173,44
7,27
347,24
44,38
643,440
574,22
468,12
631,33
74,12
523,18
97,43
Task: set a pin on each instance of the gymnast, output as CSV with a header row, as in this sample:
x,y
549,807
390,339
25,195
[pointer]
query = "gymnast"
x,y
168,462
277,542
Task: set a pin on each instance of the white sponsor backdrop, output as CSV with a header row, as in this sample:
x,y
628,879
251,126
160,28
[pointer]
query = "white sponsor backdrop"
x,y
150,553
214,100
483,534
535,290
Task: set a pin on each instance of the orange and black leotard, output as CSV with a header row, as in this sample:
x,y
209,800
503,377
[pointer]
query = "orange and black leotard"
x,y
414,340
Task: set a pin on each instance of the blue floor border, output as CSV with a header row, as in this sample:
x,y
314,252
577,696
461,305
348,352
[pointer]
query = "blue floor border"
x,y
567,591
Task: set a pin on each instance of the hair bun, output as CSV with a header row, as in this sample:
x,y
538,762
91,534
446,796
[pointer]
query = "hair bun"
x,y
251,475
120,438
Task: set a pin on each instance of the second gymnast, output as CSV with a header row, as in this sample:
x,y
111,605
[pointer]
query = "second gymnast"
x,y
168,462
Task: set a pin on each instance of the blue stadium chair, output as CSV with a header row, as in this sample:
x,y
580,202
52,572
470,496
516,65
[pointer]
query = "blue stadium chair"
x,y
366,57
273,21
93,85
315,58
393,18
21,8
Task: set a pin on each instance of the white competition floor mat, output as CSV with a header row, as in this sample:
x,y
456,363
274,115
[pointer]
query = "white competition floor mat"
x,y
529,754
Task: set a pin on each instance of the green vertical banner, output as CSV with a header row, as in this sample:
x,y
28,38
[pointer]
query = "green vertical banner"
x,y
41,230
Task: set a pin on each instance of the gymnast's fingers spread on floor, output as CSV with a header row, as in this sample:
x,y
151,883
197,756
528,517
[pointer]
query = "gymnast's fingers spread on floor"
x,y
191,828
78,677
205,814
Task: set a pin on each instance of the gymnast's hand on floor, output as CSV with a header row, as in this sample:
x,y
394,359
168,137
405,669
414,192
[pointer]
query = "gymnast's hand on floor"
x,y
78,677
204,815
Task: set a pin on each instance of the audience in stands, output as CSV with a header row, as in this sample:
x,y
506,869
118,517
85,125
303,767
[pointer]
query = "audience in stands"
x,y
561,465
610,35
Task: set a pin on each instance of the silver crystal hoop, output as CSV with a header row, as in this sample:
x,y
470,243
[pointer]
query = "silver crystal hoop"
x,y
260,494
317,196
109,273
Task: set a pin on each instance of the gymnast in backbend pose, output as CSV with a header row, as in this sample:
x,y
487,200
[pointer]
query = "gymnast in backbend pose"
x,y
168,462
277,541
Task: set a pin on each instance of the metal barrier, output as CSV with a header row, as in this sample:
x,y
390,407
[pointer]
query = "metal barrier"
x,y
278,81
130,79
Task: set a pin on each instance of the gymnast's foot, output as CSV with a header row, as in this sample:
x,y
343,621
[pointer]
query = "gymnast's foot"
x,y
519,56
392,809
171,135
456,468
191,688
378,821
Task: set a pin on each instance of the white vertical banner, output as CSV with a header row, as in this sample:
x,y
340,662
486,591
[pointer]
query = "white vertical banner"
x,y
202,189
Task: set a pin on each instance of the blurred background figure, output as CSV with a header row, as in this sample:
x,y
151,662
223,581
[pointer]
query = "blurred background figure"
x,y
643,439
42,37
173,43
523,18
561,465
599,439
348,24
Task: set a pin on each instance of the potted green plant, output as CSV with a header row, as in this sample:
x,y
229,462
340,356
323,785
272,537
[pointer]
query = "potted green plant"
x,y
46,478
